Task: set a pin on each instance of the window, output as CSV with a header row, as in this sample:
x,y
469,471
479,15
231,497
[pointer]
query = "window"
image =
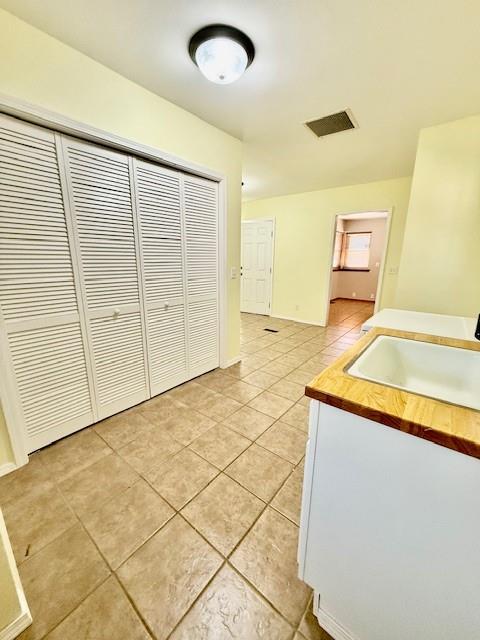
x,y
337,251
356,250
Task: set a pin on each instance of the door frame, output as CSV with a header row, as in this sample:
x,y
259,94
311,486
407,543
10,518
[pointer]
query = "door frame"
x,y
33,114
272,255
381,270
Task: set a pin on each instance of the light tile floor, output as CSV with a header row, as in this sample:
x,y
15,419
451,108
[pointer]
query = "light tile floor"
x,y
179,518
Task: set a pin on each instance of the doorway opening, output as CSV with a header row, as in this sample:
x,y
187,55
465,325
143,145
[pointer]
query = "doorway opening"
x,y
256,271
357,262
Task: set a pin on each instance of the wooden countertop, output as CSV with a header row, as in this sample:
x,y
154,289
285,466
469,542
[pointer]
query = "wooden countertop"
x,y
445,424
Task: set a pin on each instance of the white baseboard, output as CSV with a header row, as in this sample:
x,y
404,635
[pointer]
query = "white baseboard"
x,y
231,362
24,619
16,627
314,322
7,467
331,626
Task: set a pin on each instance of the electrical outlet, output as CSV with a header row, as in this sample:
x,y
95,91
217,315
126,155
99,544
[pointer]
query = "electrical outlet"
x,y
233,273
393,271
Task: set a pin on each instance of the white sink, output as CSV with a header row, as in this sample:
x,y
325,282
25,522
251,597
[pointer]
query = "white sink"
x,y
445,373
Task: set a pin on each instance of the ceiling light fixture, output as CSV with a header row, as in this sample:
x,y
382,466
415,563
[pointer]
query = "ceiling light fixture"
x,y
222,53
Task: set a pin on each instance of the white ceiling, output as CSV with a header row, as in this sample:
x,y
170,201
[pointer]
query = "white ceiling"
x,y
398,65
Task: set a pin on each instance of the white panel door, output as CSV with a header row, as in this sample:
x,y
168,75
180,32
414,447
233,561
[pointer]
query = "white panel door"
x,y
41,333
201,242
256,276
159,209
99,183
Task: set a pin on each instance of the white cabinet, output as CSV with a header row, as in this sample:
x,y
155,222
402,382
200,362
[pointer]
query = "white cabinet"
x,y
108,279
389,532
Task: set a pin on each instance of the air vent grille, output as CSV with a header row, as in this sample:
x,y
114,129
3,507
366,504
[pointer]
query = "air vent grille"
x,y
333,123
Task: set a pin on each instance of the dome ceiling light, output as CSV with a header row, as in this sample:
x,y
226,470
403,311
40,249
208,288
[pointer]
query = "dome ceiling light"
x,y
222,53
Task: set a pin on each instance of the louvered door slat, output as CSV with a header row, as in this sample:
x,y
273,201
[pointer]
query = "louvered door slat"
x,y
201,223
37,288
101,199
158,193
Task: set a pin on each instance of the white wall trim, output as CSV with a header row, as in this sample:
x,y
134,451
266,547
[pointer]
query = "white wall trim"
x,y
34,114
25,618
7,467
314,322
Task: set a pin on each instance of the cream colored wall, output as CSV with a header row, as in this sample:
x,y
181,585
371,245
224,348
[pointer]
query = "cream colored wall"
x,y
440,266
39,69
362,283
304,236
10,608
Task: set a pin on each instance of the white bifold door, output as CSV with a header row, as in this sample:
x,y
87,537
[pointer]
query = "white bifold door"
x,y
108,280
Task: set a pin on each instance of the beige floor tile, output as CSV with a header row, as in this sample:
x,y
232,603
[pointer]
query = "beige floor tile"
x,y
305,401
297,417
229,608
277,368
216,380
184,424
289,390
101,481
193,394
220,445
241,391
165,576
181,477
299,636
121,525
261,379
271,404
281,346
145,452
240,370
299,376
35,520
289,499
249,422
259,471
284,440
219,407
267,557
310,628
223,512
30,479
58,578
105,615
123,427
70,455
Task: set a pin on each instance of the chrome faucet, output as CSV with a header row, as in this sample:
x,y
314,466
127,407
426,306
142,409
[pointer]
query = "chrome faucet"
x,y
477,330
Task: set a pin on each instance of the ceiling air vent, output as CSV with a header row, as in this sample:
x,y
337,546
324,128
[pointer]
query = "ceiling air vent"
x,y
333,123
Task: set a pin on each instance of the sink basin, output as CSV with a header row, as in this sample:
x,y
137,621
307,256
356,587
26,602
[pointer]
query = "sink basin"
x,y
437,371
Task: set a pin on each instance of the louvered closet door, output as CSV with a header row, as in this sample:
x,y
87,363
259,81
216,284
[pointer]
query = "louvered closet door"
x,y
101,202
158,193
41,335
201,224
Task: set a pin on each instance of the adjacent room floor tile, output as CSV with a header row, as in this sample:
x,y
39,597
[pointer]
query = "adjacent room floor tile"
x,y
228,609
267,557
249,422
122,428
289,499
121,525
70,455
297,417
101,481
284,440
35,520
181,477
289,390
58,578
145,452
241,391
271,404
220,445
105,615
165,576
223,512
259,471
